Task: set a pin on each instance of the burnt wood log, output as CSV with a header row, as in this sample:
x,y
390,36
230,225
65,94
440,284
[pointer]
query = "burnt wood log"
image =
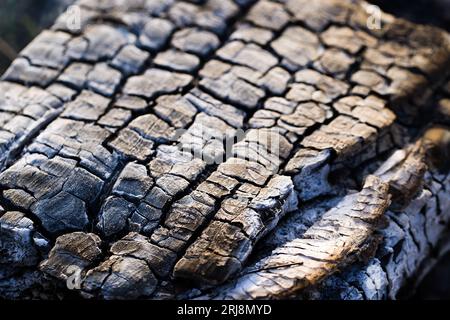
x,y
218,149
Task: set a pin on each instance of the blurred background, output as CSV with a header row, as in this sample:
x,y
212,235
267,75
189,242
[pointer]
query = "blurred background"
x,y
435,12
22,20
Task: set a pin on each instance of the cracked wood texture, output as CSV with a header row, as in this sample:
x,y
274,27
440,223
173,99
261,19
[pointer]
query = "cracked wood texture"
x,y
313,162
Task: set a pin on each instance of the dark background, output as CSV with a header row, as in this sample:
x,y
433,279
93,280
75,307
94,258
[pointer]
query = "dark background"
x,y
435,12
22,20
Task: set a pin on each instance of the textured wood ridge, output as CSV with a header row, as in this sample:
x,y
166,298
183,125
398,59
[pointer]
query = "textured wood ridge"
x,y
224,149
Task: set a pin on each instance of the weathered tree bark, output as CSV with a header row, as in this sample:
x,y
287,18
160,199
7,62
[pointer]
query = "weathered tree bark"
x,y
118,180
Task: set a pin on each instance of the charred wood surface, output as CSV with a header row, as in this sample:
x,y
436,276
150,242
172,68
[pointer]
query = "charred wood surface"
x,y
313,163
